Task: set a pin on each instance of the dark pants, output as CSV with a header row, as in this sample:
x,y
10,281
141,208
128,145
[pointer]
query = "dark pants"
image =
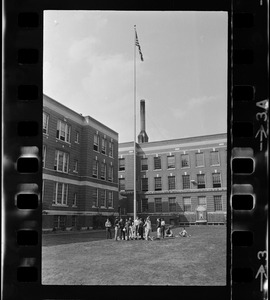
x,y
163,231
122,234
108,233
141,232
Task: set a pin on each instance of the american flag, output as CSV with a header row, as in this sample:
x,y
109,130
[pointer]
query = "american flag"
x,y
138,45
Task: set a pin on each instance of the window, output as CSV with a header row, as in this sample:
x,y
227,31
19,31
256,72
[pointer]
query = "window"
x,y
202,200
77,137
158,205
184,160
103,145
157,162
201,181
59,221
74,221
171,161
96,142
75,169
199,159
60,193
61,161
144,182
158,185
102,198
110,173
216,180
214,158
122,184
217,203
187,203
95,197
121,164
144,164
45,123
172,204
144,205
74,203
110,199
44,156
186,182
63,131
111,149
171,182
103,169
95,168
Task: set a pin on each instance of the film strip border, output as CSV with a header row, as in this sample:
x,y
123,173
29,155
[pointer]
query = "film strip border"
x,y
249,142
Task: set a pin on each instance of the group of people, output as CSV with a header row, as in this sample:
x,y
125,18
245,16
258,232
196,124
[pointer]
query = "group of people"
x,y
139,229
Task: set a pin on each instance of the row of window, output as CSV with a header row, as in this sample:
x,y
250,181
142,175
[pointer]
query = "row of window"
x,y
200,183
185,161
187,207
61,221
100,197
63,134
61,164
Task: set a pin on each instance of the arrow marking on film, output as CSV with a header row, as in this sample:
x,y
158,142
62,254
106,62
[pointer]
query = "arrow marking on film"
x,y
261,272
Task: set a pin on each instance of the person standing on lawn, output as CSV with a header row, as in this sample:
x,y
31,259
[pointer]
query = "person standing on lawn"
x,y
122,229
140,228
116,228
108,226
148,228
127,229
162,228
136,224
158,228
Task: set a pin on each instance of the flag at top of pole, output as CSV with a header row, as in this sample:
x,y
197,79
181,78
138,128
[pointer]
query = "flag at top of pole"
x,y
137,43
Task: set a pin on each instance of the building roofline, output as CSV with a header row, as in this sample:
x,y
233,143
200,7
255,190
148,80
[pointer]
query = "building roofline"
x,y
83,118
183,140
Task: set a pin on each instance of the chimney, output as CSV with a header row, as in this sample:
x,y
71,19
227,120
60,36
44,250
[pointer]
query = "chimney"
x,y
142,137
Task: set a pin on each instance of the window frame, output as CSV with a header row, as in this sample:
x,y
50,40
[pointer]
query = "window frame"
x,y
63,194
183,160
103,171
205,200
216,184
143,202
102,193
44,152
46,117
171,184
171,165
95,168
110,199
96,142
103,145
158,183
201,184
144,184
197,160
157,162
172,204
65,163
123,166
158,203
144,167
212,158
122,183
187,207
217,204
95,197
185,181
59,131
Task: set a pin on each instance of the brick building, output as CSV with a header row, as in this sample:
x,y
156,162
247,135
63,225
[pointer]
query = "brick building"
x,y
80,165
182,180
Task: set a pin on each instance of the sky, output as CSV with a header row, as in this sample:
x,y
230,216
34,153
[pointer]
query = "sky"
x,y
88,65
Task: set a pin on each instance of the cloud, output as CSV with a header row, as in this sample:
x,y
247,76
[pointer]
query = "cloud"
x,y
81,49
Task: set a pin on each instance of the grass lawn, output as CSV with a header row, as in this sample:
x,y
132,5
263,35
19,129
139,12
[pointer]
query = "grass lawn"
x,y
197,260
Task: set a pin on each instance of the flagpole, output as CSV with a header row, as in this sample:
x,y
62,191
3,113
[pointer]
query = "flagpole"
x,y
134,200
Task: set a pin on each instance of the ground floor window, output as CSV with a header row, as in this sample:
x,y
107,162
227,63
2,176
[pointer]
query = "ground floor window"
x,y
158,205
172,204
187,203
218,203
144,205
59,221
74,221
